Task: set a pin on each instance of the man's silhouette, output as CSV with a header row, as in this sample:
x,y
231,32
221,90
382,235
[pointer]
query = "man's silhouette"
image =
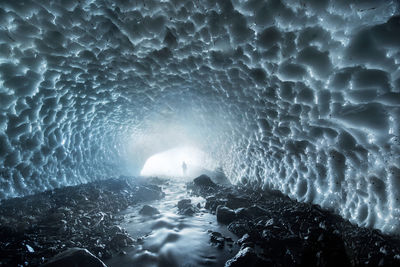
x,y
184,168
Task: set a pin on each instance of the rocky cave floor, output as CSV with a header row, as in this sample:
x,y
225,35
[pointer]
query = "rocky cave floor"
x,y
82,224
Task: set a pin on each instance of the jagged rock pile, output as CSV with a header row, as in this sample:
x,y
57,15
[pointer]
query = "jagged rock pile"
x,y
35,228
274,230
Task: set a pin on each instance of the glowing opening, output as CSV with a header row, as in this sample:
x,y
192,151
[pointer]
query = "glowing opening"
x,y
171,163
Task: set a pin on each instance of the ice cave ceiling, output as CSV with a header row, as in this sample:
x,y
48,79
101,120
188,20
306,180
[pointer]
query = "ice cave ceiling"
x,y
300,96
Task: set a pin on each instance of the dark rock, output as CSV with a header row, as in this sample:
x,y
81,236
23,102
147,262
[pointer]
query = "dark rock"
x,y
113,230
328,250
217,239
214,234
44,224
212,203
184,203
256,211
243,213
146,193
225,215
244,239
269,223
204,180
203,186
246,257
241,227
106,254
122,240
189,211
148,211
286,232
77,257
236,202
251,212
185,207
117,184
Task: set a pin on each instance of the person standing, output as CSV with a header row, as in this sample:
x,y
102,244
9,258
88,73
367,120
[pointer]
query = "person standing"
x,y
184,168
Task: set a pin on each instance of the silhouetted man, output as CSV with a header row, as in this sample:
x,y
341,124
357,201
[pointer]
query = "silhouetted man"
x,y
184,168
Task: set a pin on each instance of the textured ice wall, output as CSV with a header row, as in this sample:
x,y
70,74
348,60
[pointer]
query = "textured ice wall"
x,y
300,96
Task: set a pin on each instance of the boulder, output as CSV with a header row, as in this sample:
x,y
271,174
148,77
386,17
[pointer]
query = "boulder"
x,y
246,257
148,210
122,240
234,202
184,203
241,227
225,215
217,239
190,211
149,192
204,180
250,212
185,207
77,257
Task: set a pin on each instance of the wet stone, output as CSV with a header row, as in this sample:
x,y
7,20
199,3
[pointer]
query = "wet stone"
x,y
212,203
241,227
184,203
121,240
255,211
274,230
148,210
204,180
246,257
244,239
217,239
203,185
150,192
190,211
115,229
235,202
185,207
77,257
225,215
35,228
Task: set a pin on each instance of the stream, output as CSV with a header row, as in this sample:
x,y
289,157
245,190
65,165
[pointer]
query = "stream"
x,y
170,239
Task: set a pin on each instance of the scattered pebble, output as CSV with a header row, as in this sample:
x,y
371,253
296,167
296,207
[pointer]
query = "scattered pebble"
x,y
275,230
35,228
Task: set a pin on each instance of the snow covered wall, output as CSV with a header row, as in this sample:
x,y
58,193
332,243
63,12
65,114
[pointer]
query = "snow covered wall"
x,y
300,96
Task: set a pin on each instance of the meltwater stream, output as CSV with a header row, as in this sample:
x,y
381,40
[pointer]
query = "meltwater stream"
x,y
170,239
109,221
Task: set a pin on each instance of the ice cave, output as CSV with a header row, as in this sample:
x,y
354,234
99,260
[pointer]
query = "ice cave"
x,y
199,133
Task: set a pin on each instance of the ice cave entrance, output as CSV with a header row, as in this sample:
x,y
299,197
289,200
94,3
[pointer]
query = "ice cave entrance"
x,y
180,162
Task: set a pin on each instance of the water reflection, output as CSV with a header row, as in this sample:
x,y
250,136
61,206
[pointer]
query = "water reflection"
x,y
170,239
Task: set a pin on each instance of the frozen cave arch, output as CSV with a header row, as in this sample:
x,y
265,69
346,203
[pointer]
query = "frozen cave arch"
x,y
303,97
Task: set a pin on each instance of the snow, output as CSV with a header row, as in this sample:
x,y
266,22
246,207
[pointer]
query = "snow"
x,y
299,97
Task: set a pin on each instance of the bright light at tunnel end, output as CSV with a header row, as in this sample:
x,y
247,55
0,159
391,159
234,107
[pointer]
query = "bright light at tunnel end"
x,y
169,163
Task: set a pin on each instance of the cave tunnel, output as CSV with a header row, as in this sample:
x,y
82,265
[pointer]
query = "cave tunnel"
x,y
300,97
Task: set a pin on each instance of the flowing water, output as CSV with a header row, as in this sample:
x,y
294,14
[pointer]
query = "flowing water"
x,y
170,239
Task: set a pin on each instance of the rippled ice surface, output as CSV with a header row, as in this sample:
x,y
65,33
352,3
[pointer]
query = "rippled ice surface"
x,y
170,239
